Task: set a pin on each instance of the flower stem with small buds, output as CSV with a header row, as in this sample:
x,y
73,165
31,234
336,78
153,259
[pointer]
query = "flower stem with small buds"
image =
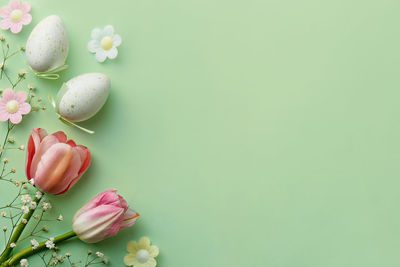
x,y
30,251
17,233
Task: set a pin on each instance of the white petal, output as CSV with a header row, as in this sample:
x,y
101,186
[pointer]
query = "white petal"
x,y
101,55
108,30
97,34
117,40
93,46
112,53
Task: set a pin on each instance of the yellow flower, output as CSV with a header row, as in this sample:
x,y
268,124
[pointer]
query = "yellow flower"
x,y
141,254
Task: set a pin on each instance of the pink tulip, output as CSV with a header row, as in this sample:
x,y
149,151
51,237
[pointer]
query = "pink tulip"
x,y
54,163
104,216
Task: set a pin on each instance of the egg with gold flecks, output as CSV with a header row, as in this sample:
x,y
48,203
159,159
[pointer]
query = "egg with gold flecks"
x,y
82,97
47,45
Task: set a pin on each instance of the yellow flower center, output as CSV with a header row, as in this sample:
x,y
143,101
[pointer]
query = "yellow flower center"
x,y
142,256
12,106
16,15
106,43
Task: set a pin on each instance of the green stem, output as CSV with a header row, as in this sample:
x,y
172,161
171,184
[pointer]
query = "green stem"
x,y
30,251
9,128
17,233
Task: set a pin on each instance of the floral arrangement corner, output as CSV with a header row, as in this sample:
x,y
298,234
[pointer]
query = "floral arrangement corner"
x,y
54,164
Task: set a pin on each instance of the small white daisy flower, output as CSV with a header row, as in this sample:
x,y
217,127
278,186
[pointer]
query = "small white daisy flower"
x,y
34,244
25,209
104,43
99,254
24,263
50,243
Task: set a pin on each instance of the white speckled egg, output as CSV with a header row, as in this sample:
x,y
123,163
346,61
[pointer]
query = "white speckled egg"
x,y
47,45
83,96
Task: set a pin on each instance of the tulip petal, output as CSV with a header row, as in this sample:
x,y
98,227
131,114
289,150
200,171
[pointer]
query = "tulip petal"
x,y
96,201
71,143
97,223
62,138
58,166
129,219
44,145
33,143
85,159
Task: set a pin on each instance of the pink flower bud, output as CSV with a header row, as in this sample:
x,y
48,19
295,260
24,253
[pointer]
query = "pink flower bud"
x,y
54,163
104,216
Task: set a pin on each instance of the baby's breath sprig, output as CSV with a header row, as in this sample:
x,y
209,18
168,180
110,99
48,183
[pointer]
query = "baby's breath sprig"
x,y
33,100
18,212
95,258
5,47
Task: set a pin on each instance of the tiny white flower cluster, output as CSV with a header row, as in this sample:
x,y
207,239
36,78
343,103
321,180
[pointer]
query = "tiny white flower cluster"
x,y
24,263
26,199
38,195
46,205
34,244
25,209
27,203
50,243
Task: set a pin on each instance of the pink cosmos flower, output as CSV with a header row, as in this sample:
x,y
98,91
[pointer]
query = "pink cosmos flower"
x,y
13,106
15,15
104,216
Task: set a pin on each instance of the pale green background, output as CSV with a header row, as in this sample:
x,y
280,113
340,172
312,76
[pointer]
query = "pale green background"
x,y
246,133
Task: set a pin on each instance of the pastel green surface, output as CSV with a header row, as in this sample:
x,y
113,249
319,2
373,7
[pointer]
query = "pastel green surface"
x,y
246,133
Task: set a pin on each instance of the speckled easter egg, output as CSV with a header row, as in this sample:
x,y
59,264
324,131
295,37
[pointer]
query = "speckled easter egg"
x,y
83,96
47,45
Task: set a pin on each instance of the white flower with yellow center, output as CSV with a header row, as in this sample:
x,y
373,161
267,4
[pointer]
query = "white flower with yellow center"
x,y
104,43
141,254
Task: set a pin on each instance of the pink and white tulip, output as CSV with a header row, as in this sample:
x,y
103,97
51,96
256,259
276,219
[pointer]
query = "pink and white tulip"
x,y
54,163
104,216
